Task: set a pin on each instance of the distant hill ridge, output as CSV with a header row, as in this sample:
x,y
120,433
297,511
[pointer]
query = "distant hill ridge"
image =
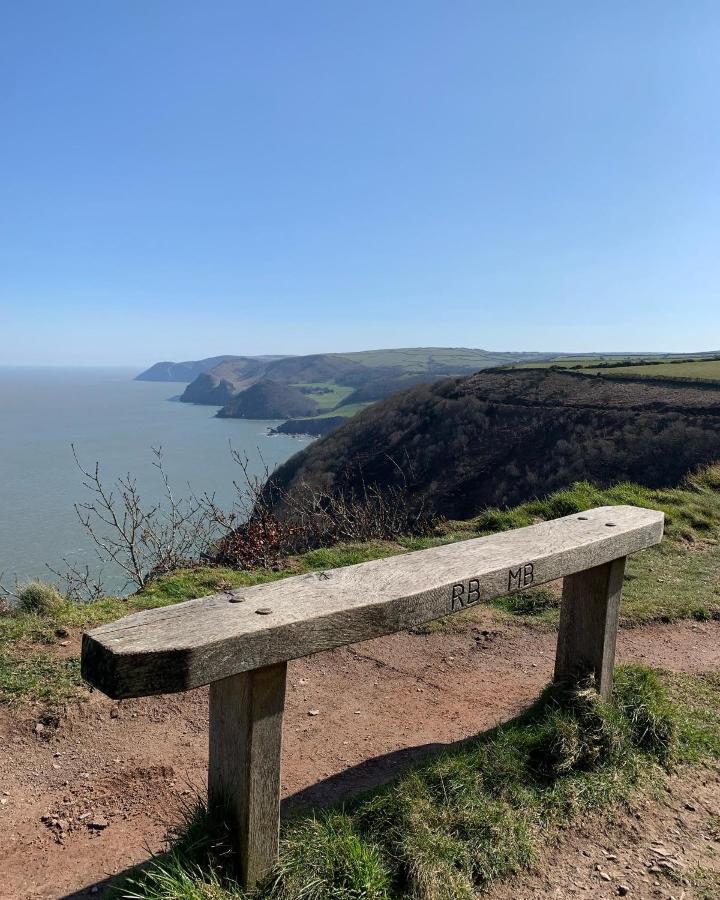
x,y
340,382
501,437
189,370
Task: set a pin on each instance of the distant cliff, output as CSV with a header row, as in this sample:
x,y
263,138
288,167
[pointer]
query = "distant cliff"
x,y
206,388
182,371
270,400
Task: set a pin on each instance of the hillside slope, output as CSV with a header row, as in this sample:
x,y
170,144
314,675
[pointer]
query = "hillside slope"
x,y
499,438
269,400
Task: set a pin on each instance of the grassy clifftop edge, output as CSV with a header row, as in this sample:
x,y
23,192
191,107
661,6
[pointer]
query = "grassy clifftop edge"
x,y
677,580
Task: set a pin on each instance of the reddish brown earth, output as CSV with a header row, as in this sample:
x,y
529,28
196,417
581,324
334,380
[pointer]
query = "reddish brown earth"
x,y
92,791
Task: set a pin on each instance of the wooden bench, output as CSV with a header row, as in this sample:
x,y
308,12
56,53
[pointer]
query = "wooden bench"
x,y
239,641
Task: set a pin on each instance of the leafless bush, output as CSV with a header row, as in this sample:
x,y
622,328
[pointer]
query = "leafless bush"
x,y
310,518
144,542
78,584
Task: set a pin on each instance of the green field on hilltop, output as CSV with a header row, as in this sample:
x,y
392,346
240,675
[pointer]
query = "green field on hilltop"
x,y
664,366
708,369
416,360
573,362
329,393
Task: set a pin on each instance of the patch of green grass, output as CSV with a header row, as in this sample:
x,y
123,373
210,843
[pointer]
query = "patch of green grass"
x,y
187,584
533,603
692,511
662,584
476,812
331,394
706,884
347,410
708,369
696,699
345,555
42,676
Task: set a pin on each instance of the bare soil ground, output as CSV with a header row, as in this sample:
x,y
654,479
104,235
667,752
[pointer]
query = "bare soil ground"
x,y
89,791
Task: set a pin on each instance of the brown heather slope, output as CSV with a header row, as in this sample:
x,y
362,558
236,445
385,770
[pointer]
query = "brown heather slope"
x,y
499,438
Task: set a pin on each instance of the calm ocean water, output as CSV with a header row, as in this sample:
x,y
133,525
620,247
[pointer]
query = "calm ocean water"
x,y
113,419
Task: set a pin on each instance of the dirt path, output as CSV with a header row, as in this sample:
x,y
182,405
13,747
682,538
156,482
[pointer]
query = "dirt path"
x,y
651,849
87,795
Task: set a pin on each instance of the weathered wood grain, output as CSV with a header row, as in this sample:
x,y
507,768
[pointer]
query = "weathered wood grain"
x,y
589,625
202,641
246,713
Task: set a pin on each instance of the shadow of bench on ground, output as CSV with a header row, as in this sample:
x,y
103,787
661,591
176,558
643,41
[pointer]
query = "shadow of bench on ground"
x,y
339,788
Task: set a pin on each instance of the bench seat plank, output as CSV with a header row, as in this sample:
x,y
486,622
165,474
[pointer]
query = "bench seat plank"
x,y
199,641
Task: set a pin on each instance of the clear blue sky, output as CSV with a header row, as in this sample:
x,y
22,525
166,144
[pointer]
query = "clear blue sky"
x,y
180,179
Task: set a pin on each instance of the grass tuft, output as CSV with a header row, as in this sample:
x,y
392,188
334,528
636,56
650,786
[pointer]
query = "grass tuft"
x,y
39,598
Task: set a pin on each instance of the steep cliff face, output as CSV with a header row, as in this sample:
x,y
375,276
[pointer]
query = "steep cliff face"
x,y
500,438
208,389
269,400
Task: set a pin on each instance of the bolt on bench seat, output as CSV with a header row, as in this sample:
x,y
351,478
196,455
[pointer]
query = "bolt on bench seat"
x,y
239,641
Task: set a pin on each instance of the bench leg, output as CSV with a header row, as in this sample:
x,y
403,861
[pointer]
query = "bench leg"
x,y
246,713
589,623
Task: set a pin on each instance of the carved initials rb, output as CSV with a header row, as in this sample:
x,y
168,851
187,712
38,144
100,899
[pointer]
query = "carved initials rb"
x,y
459,598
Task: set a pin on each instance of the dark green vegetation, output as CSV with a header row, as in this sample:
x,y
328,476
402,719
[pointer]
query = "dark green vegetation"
x,y
270,400
474,813
499,438
341,383
317,426
617,360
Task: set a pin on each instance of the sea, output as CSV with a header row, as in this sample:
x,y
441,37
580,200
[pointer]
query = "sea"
x,y
115,421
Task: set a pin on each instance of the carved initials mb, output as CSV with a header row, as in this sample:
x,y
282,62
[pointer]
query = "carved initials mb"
x,y
521,577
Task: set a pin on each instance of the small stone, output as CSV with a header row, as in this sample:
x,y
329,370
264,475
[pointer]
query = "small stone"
x,y
98,824
114,713
263,611
313,712
623,890
39,728
605,876
690,806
